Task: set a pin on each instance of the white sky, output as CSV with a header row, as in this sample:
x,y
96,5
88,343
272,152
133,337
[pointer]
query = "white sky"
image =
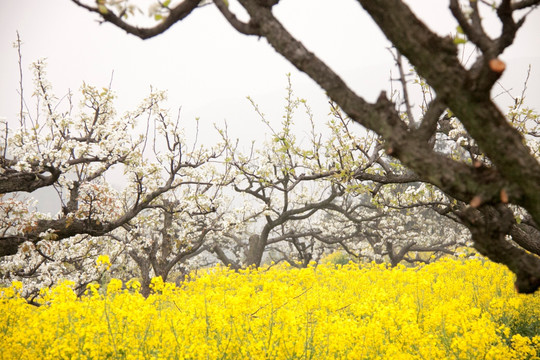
x,y
209,69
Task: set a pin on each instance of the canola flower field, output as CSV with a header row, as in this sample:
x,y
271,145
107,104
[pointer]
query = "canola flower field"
x,y
451,309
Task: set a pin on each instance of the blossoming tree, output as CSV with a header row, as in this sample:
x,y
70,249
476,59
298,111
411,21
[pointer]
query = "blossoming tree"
x,y
77,153
334,189
508,173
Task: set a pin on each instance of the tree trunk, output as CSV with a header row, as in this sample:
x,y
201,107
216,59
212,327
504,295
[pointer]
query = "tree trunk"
x,y
255,251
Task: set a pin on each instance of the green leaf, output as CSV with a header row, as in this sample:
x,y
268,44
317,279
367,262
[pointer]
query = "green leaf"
x,y
103,9
158,17
166,3
459,41
459,30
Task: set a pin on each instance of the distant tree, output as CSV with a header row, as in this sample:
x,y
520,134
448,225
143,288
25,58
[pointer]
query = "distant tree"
x,y
333,189
283,184
508,173
162,239
386,214
372,229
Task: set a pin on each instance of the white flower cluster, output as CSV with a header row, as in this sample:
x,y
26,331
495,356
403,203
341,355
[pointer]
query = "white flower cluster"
x,y
16,216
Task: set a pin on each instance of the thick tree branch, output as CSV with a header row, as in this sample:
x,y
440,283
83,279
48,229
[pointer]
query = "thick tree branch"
x,y
435,60
523,4
222,256
431,117
489,226
526,236
14,180
176,14
241,27
473,29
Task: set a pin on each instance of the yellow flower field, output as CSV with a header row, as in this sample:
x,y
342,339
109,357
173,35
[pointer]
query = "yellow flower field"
x,y
451,309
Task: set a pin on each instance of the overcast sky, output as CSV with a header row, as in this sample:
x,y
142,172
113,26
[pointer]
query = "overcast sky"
x,y
208,68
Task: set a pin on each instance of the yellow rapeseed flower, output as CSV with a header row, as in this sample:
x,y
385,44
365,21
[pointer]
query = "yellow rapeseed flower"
x,y
103,261
450,309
